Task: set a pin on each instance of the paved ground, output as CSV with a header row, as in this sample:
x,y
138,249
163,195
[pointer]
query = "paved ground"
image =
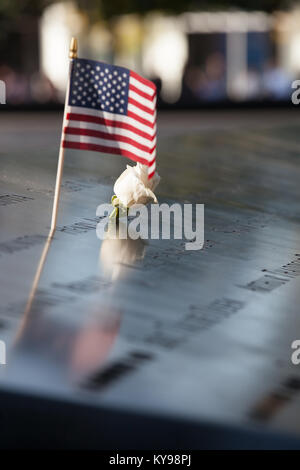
x,y
202,337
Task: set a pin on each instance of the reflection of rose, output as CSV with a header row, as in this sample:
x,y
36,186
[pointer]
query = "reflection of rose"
x,y
116,252
134,187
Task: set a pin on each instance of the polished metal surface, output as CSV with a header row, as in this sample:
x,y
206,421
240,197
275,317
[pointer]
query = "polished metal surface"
x,y
150,327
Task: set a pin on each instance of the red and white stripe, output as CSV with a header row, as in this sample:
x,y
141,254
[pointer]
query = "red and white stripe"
x,y
132,135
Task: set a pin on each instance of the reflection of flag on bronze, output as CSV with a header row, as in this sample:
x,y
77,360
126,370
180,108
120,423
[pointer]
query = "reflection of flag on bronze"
x,y
111,110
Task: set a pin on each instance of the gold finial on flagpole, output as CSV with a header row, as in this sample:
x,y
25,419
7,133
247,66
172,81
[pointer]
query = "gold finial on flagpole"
x,y
73,48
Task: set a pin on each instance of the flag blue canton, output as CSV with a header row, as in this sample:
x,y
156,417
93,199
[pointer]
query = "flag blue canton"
x,y
97,85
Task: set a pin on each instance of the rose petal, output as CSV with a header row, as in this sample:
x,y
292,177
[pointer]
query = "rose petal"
x,y
134,187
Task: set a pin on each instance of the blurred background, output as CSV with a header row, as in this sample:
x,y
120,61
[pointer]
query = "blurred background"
x,y
198,52
215,325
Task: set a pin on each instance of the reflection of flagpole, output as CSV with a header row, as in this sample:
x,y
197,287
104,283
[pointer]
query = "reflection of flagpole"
x,y
72,56
34,286
35,283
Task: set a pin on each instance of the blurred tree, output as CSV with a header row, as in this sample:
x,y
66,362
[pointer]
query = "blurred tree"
x,y
13,8
108,8
19,36
19,33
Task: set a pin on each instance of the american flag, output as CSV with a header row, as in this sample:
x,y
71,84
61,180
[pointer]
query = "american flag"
x,y
112,110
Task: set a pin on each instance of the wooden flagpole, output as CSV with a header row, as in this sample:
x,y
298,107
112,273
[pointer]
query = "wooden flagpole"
x,y
72,56
61,157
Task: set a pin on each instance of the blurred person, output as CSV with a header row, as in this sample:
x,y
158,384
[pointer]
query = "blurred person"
x,y
17,85
247,85
276,81
213,85
253,84
192,80
208,83
205,84
42,90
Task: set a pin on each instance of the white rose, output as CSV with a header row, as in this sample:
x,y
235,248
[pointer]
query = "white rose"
x,y
134,187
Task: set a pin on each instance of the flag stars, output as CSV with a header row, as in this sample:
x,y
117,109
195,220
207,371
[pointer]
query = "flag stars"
x,y
103,87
